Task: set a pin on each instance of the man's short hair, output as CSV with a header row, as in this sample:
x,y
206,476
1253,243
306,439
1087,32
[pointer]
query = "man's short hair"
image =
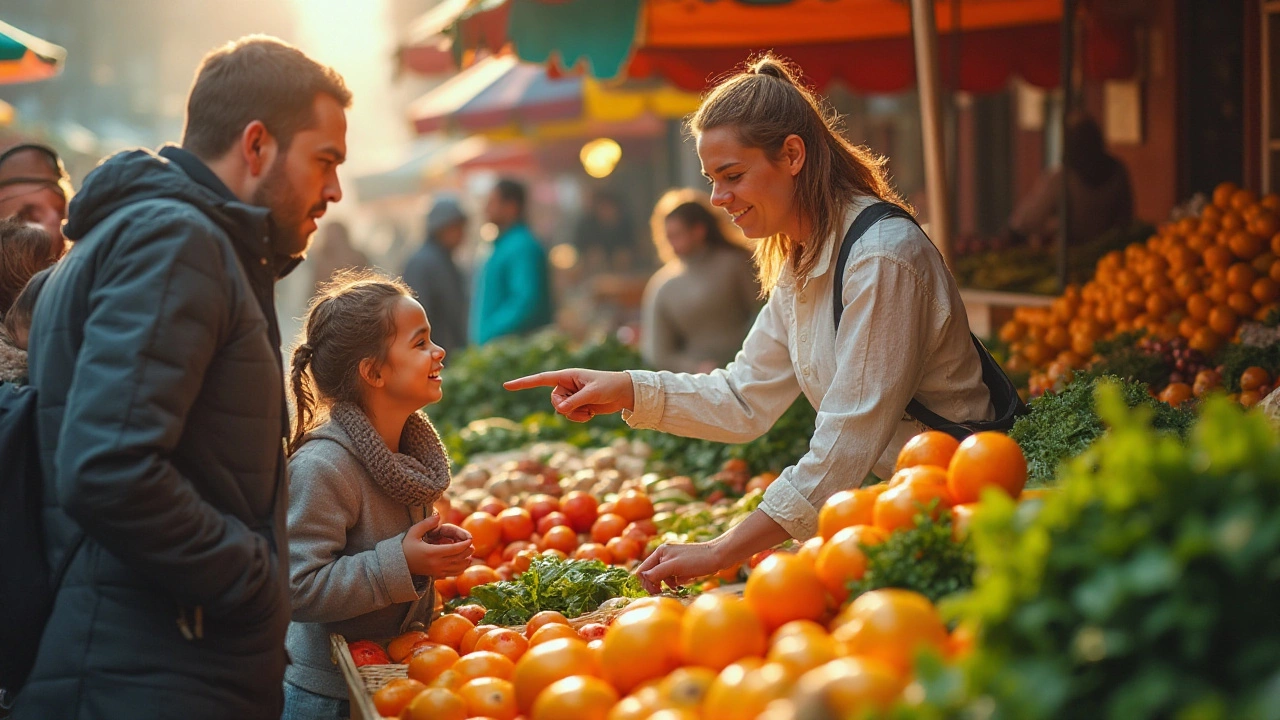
x,y
255,78
512,191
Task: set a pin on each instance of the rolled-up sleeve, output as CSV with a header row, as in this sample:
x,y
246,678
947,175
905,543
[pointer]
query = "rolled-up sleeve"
x,y
882,342
735,404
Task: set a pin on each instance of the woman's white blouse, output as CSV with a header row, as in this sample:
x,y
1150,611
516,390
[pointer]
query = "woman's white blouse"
x,y
903,333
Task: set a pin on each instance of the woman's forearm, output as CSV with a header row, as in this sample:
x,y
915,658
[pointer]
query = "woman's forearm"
x,y
756,533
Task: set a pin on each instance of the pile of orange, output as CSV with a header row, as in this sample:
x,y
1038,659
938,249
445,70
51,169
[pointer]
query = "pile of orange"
x,y
1198,278
782,647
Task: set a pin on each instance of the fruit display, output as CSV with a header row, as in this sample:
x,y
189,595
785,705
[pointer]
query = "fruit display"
x,y
1190,287
1144,588
804,632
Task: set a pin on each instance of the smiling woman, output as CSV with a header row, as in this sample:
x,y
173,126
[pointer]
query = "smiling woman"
x,y
779,167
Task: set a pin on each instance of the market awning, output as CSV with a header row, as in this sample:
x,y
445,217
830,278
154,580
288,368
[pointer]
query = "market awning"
x,y
27,58
427,48
501,93
866,44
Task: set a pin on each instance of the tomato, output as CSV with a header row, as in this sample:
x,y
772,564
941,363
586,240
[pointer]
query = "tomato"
x,y
368,652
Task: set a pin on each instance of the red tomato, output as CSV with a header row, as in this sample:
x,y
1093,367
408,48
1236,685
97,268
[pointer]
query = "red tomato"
x,y
368,652
581,509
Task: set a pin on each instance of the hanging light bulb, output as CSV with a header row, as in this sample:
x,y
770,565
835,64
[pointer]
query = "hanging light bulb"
x,y
600,156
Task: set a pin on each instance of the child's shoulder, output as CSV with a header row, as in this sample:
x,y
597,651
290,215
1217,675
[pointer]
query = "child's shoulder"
x,y
323,451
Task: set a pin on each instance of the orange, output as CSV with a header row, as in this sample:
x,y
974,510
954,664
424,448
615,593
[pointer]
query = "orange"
x,y
641,645
1199,306
543,618
785,588
549,662
449,629
1265,291
449,680
607,527
581,509
922,489
1240,277
962,518
685,688
1242,302
631,708
504,642
560,538
1175,394
1275,244
842,560
593,551
486,532
400,648
1205,341
1242,199
1218,258
624,549
845,508
852,686
1245,245
986,459
669,604
468,642
1264,223
489,697
1263,263
1253,378
484,663
1157,307
1185,284
516,524
1249,398
579,697
801,653
741,692
435,704
474,576
427,663
1223,193
796,627
553,631
1188,326
1223,320
1218,290
927,448
392,698
890,625
634,505
718,630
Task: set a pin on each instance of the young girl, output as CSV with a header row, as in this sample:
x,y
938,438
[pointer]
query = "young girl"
x,y
362,547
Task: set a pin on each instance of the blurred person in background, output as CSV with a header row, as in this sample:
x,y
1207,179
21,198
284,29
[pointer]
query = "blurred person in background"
x,y
698,308
435,278
513,285
332,251
604,236
35,188
1098,185
156,357
24,251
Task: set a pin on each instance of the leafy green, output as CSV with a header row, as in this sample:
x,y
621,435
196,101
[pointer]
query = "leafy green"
x,y
925,559
1145,587
1063,425
571,587
1235,358
1123,356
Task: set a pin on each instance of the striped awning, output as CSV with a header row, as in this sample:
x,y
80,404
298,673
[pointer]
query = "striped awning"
x,y
27,58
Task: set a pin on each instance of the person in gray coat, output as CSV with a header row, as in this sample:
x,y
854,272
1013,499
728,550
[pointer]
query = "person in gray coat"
x,y
436,279
161,420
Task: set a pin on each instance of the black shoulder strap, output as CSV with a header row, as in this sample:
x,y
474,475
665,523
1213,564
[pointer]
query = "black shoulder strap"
x,y
1004,396
869,216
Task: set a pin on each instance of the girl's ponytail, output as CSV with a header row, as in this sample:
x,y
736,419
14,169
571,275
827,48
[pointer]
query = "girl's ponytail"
x,y
303,397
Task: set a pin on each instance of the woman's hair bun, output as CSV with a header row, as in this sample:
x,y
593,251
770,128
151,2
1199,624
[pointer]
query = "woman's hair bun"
x,y
773,67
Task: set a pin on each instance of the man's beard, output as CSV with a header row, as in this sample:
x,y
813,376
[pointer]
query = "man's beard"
x,y
288,212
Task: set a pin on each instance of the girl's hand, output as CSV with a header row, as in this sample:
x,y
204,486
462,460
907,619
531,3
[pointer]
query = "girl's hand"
x,y
424,558
678,564
447,534
582,394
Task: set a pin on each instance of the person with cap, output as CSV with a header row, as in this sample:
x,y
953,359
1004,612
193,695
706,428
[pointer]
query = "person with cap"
x,y
435,278
34,188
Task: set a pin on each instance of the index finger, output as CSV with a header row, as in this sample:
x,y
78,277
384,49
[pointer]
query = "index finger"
x,y
543,379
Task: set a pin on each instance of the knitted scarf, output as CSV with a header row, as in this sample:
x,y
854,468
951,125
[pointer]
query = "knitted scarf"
x,y
417,475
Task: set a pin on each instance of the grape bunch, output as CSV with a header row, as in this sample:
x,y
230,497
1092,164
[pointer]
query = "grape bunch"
x,y
1183,362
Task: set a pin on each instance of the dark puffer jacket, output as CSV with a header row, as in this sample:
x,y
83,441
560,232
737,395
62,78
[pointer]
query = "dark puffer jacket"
x,y
155,351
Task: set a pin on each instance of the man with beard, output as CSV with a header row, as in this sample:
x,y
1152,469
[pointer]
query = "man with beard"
x,y
156,355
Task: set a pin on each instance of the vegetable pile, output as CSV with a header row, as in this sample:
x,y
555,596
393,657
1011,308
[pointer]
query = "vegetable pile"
x,y
571,587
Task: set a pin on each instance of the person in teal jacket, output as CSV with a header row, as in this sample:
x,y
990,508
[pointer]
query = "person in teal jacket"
x,y
513,286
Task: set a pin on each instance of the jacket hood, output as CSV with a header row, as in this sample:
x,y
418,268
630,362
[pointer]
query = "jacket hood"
x,y
137,175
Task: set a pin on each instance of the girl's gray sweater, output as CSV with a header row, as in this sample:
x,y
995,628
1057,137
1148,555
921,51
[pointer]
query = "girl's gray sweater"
x,y
346,567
